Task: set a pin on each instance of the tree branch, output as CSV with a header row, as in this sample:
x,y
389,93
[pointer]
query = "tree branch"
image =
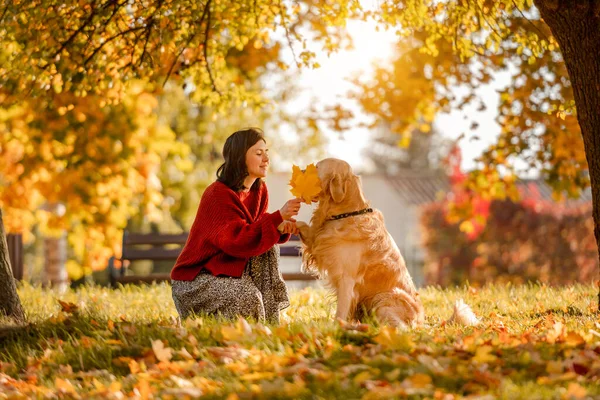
x,y
3,13
490,25
205,14
205,50
67,42
287,33
148,33
530,22
110,39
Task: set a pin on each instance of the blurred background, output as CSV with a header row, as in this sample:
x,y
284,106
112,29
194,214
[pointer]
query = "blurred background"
x,y
79,171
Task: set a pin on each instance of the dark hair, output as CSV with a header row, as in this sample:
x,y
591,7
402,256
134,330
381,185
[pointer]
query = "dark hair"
x,y
234,170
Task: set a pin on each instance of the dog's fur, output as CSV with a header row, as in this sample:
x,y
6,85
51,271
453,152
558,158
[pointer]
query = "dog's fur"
x,y
357,254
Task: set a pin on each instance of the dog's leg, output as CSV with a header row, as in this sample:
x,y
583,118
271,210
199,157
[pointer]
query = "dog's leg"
x,y
305,232
346,300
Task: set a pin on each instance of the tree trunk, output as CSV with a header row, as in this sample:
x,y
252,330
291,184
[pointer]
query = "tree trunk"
x,y
576,26
10,305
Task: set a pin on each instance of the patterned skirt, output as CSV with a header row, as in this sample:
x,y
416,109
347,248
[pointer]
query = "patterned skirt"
x,y
260,293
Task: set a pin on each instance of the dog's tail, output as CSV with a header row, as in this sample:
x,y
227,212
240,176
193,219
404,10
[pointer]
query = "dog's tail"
x,y
463,315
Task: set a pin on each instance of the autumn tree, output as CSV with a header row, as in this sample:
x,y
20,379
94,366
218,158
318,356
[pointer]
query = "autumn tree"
x,y
548,113
79,83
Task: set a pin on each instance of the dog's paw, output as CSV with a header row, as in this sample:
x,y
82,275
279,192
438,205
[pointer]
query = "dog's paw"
x,y
303,229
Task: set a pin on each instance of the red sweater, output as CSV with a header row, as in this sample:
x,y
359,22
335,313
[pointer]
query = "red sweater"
x,y
229,228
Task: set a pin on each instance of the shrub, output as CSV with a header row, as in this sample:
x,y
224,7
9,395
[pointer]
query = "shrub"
x,y
529,240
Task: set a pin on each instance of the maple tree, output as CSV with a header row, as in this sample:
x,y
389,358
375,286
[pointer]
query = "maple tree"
x,y
87,71
79,84
463,45
548,111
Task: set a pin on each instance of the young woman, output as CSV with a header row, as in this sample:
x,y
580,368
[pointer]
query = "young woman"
x,y
229,265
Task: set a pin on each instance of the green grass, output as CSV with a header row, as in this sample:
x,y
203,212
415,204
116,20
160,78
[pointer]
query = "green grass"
x,y
534,342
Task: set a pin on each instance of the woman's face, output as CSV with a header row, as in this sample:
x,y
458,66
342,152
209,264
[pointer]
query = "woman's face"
x,y
257,160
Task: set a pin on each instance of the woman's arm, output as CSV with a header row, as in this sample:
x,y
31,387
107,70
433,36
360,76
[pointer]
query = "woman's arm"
x,y
241,239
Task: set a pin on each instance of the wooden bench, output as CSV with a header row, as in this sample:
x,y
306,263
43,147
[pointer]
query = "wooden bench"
x,y
166,247
15,254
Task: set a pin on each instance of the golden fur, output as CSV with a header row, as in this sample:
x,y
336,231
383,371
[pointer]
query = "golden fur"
x,y
357,254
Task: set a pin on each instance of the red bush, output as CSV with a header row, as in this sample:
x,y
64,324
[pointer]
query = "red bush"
x,y
532,240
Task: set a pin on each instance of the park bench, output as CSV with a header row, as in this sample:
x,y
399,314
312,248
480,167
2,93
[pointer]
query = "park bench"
x,y
15,254
157,247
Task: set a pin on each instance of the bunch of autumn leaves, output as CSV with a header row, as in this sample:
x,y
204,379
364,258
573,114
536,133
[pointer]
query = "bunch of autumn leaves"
x,y
305,184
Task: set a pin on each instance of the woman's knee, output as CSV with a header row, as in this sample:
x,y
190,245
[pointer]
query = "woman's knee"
x,y
251,301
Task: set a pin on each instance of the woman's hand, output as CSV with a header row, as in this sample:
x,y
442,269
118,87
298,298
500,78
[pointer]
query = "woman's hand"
x,y
288,227
290,209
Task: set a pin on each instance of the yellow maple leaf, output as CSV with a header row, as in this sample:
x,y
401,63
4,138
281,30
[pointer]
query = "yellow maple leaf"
x,y
305,185
574,339
417,381
393,339
575,391
64,385
483,355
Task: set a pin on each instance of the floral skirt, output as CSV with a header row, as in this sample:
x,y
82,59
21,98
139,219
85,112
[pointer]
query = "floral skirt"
x,y
260,292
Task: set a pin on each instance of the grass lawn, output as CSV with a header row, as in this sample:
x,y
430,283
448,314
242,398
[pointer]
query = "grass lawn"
x,y
534,342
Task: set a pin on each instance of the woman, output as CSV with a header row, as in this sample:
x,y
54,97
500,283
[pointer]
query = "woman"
x,y
229,264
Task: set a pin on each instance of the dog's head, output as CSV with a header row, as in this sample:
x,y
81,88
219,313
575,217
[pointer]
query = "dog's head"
x,y
338,182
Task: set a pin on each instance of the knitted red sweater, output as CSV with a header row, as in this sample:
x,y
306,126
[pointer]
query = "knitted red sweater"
x,y
229,228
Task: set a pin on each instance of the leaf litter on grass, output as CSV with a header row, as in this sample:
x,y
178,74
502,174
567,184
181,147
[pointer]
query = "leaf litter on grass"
x,y
92,343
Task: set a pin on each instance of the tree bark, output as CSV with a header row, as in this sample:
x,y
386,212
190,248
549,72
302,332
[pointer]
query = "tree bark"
x,y
10,305
576,26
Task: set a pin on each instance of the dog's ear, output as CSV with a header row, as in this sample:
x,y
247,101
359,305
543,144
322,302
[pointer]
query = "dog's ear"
x,y
337,188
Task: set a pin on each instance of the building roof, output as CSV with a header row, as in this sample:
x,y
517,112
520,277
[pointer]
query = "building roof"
x,y
417,188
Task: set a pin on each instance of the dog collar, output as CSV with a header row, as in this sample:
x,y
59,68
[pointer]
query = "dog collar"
x,y
351,214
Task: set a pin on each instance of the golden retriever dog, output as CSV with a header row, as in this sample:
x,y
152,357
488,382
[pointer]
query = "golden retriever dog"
x,y
348,243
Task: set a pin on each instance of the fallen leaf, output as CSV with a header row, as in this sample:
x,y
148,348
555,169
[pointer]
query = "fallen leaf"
x,y
227,354
143,387
179,393
185,354
161,352
64,385
68,307
361,377
555,367
393,339
115,387
575,391
231,333
483,355
256,376
417,381
134,367
574,339
556,332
